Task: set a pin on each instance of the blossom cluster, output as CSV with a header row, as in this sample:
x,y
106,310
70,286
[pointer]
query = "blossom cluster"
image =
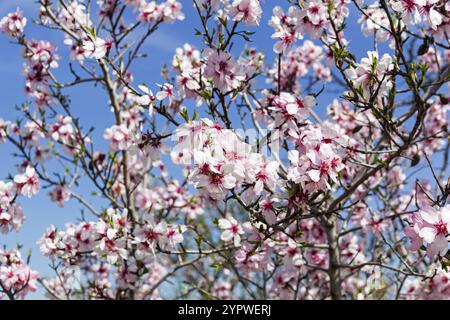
x,y
11,214
222,161
371,76
307,197
298,63
16,276
430,226
108,241
310,19
41,58
417,11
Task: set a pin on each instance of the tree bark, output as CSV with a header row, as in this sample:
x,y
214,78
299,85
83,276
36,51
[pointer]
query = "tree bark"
x,y
334,259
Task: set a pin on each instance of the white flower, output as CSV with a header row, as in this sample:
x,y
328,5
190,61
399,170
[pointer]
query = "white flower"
x,y
27,183
147,99
13,24
96,49
119,137
232,230
248,11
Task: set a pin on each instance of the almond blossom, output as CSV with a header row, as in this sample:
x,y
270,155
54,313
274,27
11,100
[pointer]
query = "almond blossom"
x,y
316,171
13,24
371,74
120,137
147,99
27,183
16,275
60,195
97,48
435,229
248,11
223,71
232,231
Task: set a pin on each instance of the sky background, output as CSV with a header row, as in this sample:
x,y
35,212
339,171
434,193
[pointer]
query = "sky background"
x,y
91,106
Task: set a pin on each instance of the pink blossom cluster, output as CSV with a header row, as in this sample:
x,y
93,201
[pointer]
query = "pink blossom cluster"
x,y
221,160
317,159
63,132
109,238
247,11
310,19
325,214
371,76
119,136
24,184
430,227
173,196
74,17
299,62
11,214
107,241
437,288
82,41
188,66
375,22
41,57
16,276
196,71
225,74
288,111
429,12
152,12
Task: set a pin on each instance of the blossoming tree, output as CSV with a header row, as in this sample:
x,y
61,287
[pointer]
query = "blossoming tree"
x,y
231,178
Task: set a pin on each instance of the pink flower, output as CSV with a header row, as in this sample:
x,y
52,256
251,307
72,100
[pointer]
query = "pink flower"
x,y
11,218
150,12
62,129
223,71
435,229
290,110
13,24
151,234
171,10
266,175
409,9
119,137
413,234
232,230
15,275
97,48
292,255
60,195
214,180
371,74
285,27
27,183
432,16
174,234
166,92
248,11
316,11
268,210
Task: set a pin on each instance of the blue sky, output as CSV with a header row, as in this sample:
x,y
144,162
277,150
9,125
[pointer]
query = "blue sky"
x,y
91,104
